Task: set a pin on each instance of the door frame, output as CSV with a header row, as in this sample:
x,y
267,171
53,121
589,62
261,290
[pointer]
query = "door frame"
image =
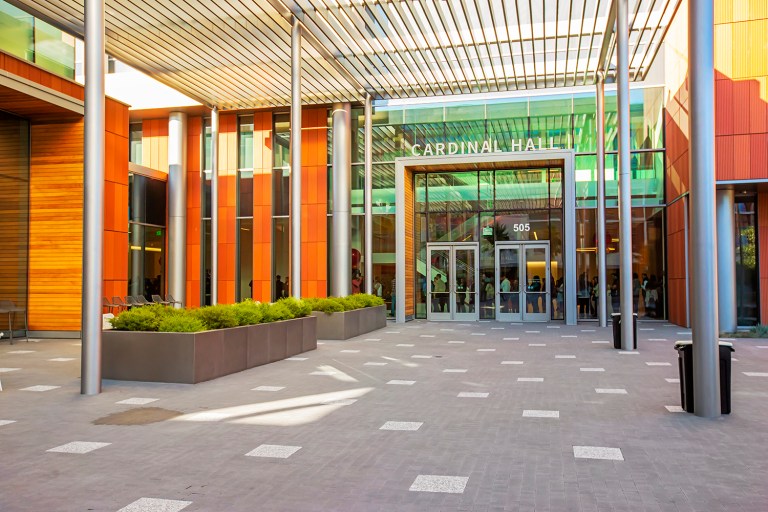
x,y
522,315
451,314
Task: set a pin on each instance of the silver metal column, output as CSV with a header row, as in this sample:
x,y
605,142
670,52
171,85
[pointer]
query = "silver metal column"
x,y
93,199
368,131
602,277
214,206
704,292
625,177
341,226
295,149
177,206
726,261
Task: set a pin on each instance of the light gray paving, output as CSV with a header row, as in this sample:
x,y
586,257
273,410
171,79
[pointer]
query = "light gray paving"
x,y
611,391
673,460
269,388
597,452
78,447
137,401
533,413
40,388
402,425
156,505
472,394
436,483
273,451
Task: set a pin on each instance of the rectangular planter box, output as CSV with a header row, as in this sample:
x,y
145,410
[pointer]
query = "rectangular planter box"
x,y
189,358
348,324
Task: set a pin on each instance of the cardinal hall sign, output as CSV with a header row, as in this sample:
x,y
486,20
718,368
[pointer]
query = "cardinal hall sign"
x,y
486,146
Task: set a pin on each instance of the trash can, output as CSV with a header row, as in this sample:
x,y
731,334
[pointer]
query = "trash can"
x,y
685,367
616,321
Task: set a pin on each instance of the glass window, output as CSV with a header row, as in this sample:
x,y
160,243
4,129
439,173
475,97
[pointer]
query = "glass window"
x,y
281,257
206,263
383,195
522,189
281,134
384,257
245,193
648,262
358,188
146,200
747,289
54,50
244,259
16,32
245,138
135,143
281,191
146,260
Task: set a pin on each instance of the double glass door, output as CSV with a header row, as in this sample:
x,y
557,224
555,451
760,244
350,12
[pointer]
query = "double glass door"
x,y
451,281
522,282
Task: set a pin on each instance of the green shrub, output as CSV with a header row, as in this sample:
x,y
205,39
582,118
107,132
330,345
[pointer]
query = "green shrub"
x,y
298,308
760,331
338,304
220,316
145,318
248,312
276,312
181,323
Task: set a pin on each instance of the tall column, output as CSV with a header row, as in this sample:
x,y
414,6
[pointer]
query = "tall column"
x,y
214,205
726,261
295,150
602,278
625,176
177,206
368,194
341,227
93,199
704,292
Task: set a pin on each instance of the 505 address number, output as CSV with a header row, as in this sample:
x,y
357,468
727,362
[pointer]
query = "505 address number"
x,y
521,227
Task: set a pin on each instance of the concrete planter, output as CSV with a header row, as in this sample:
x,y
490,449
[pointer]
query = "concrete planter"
x,y
348,324
189,358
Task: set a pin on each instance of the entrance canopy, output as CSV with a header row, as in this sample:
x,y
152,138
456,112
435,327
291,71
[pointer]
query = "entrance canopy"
x,y
236,53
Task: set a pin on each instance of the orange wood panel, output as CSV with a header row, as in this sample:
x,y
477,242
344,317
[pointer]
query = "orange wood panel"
x,y
55,228
314,202
194,176
31,72
410,270
227,207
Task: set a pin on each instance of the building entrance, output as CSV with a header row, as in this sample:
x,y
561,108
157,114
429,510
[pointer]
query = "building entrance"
x,y
451,281
523,282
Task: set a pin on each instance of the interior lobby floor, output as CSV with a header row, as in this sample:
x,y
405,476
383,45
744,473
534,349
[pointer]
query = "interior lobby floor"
x,y
415,417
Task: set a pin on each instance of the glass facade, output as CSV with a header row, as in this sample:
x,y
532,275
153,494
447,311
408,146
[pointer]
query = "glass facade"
x,y
244,266
146,236
14,213
28,38
135,143
747,273
281,206
205,229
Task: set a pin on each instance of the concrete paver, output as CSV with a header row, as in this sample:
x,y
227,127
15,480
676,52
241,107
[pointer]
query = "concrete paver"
x,y
519,447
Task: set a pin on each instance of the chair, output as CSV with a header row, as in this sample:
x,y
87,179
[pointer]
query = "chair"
x,y
8,306
141,300
169,298
131,302
117,301
105,303
159,300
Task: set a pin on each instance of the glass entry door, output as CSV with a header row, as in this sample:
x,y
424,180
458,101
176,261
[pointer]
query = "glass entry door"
x,y
452,276
522,282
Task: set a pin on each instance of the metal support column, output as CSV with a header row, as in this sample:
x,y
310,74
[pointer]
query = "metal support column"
x,y
625,176
602,277
726,261
341,226
368,195
704,292
214,206
93,199
295,150
177,206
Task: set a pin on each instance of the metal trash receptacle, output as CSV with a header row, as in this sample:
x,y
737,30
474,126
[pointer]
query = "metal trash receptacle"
x,y
616,324
685,367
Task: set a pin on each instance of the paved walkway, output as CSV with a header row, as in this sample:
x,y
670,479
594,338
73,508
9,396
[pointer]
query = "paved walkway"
x,y
415,417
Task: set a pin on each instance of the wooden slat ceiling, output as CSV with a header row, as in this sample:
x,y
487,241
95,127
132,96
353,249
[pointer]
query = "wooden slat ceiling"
x,y
236,53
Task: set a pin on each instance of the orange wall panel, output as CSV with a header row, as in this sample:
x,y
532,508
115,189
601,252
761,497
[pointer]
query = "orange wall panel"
x,y
194,211
314,202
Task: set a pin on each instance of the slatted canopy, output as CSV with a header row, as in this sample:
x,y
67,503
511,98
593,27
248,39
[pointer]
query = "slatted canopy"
x,y
236,53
